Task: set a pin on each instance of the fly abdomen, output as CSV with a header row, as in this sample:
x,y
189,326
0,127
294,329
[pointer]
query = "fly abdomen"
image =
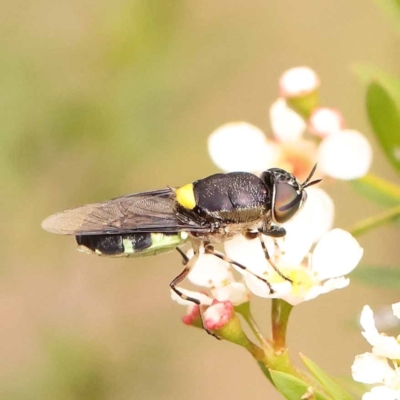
x,y
130,245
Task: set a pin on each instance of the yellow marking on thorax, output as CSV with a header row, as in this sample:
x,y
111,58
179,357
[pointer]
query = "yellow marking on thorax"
x,y
185,196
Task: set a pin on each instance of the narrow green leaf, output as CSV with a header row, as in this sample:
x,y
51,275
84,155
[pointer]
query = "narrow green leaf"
x,y
293,388
392,9
378,276
384,117
368,224
326,381
368,74
377,190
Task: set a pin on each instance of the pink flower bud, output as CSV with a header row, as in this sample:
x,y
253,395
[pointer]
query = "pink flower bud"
x,y
218,314
325,121
193,315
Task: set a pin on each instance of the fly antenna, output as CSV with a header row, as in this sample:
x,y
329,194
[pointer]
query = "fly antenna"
x,y
307,181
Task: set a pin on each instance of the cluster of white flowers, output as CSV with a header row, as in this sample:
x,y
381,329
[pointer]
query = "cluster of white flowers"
x,y
382,365
336,253
314,257
297,142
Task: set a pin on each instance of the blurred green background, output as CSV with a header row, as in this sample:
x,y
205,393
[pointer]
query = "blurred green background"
x,y
100,99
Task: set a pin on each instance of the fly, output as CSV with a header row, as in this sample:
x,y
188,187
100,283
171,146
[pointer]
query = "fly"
x,y
205,212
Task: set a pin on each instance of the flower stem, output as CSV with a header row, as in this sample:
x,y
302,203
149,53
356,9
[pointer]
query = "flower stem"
x,y
280,317
244,310
259,355
373,222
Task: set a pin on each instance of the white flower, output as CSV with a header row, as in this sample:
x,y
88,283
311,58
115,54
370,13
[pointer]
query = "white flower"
x,y
380,366
336,254
345,155
238,146
372,369
214,275
298,81
382,345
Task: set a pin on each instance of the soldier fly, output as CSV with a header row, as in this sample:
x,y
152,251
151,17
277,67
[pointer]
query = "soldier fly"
x,y
208,211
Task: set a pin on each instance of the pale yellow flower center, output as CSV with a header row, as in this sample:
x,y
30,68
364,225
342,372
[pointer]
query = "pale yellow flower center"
x,y
302,278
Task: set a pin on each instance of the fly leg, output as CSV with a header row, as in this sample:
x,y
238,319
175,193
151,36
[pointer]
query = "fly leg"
x,y
185,258
210,250
273,265
273,231
189,263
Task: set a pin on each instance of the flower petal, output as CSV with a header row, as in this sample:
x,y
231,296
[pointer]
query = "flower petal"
x,y
382,393
210,271
295,246
336,254
204,299
238,146
261,289
386,346
272,154
307,227
286,124
235,292
370,368
396,309
326,287
345,155
367,321
295,299
302,294
249,253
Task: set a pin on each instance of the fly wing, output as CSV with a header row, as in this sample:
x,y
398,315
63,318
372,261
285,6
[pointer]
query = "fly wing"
x,y
141,212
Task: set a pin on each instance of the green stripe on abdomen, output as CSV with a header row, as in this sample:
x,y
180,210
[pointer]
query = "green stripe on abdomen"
x,y
131,245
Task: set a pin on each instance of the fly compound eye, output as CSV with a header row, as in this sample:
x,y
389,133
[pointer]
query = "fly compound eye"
x,y
287,202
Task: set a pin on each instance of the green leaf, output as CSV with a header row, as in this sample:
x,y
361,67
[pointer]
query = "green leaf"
x,y
384,117
377,190
392,10
368,74
378,276
326,381
383,107
293,388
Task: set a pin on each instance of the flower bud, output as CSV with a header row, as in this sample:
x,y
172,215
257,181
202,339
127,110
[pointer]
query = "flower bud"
x,y
299,86
325,121
220,318
192,316
298,82
218,314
